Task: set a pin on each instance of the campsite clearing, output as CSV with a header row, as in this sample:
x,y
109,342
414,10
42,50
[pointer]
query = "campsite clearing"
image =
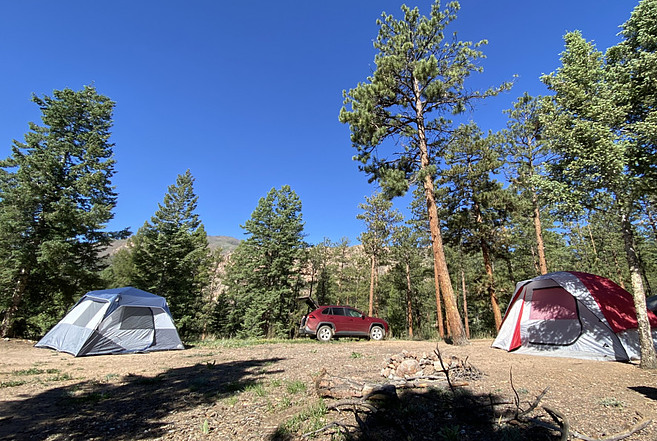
x,y
267,392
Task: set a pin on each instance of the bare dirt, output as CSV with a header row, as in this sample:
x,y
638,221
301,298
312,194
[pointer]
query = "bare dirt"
x,y
267,392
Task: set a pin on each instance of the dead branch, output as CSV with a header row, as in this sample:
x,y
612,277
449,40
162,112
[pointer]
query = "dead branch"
x,y
561,420
515,393
535,403
352,403
618,436
330,425
440,358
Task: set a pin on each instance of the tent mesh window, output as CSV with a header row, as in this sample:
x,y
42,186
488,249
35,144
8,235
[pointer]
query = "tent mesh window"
x,y
89,310
137,318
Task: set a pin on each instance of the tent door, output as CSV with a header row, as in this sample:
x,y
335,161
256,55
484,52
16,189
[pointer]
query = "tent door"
x,y
554,318
137,328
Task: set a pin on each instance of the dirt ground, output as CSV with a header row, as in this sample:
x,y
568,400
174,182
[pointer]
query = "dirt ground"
x,y
267,392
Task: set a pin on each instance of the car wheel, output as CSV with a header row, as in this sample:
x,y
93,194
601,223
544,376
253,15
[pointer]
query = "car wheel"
x,y
324,333
377,333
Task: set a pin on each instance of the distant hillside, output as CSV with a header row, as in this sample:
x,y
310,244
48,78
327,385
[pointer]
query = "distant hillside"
x,y
227,243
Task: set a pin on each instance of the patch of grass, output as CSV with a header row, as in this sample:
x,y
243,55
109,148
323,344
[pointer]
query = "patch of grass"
x,y
110,377
285,403
231,401
295,387
202,354
612,402
309,420
60,377
232,343
12,383
257,389
235,387
356,355
276,383
30,371
450,433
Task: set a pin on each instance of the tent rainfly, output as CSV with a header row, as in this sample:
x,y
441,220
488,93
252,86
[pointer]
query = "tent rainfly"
x,y
114,321
572,314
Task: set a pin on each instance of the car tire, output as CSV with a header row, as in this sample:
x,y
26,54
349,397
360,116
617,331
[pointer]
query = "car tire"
x,y
377,333
324,333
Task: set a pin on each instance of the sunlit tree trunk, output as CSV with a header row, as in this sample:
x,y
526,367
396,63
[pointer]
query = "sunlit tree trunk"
x,y
542,262
409,301
648,357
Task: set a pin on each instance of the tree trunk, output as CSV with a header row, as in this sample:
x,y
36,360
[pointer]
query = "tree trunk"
x,y
16,298
373,268
441,273
465,304
648,357
542,262
439,307
488,266
409,302
491,285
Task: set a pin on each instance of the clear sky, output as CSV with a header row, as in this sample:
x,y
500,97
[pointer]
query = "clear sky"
x,y
246,94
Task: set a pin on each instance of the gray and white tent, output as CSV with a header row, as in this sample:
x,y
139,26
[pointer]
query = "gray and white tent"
x,y
114,321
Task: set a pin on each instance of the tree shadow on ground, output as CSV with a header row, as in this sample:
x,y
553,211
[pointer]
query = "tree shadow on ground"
x,y
134,408
646,391
435,414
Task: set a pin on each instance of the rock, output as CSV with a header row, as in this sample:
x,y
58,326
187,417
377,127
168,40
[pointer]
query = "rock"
x,y
408,367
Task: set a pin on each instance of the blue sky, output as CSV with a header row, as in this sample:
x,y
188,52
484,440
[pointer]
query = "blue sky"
x,y
246,94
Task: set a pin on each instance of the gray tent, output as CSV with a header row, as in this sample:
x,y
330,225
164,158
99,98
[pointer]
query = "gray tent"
x,y
114,321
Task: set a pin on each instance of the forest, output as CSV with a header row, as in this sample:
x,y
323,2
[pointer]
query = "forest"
x,y
569,184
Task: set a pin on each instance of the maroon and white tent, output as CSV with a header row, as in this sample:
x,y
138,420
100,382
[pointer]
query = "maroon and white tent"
x,y
572,314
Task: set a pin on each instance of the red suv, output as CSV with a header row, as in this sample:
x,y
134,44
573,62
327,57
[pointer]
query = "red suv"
x,y
326,322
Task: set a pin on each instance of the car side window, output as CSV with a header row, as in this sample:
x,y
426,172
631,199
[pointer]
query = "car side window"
x,y
338,311
327,311
353,313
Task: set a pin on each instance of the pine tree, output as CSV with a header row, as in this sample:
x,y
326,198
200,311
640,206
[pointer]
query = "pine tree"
x,y
56,199
419,79
601,154
171,257
262,277
528,152
380,221
478,204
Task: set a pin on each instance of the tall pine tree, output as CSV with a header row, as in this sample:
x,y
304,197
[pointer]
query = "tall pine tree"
x,y
602,156
419,79
262,277
171,257
56,199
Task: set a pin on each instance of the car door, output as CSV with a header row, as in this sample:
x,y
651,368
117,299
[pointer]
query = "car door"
x,y
339,320
357,323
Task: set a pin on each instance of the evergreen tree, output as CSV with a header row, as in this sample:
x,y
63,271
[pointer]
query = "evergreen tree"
x,y
56,199
600,152
478,204
262,277
171,257
408,257
380,221
322,272
527,153
418,80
